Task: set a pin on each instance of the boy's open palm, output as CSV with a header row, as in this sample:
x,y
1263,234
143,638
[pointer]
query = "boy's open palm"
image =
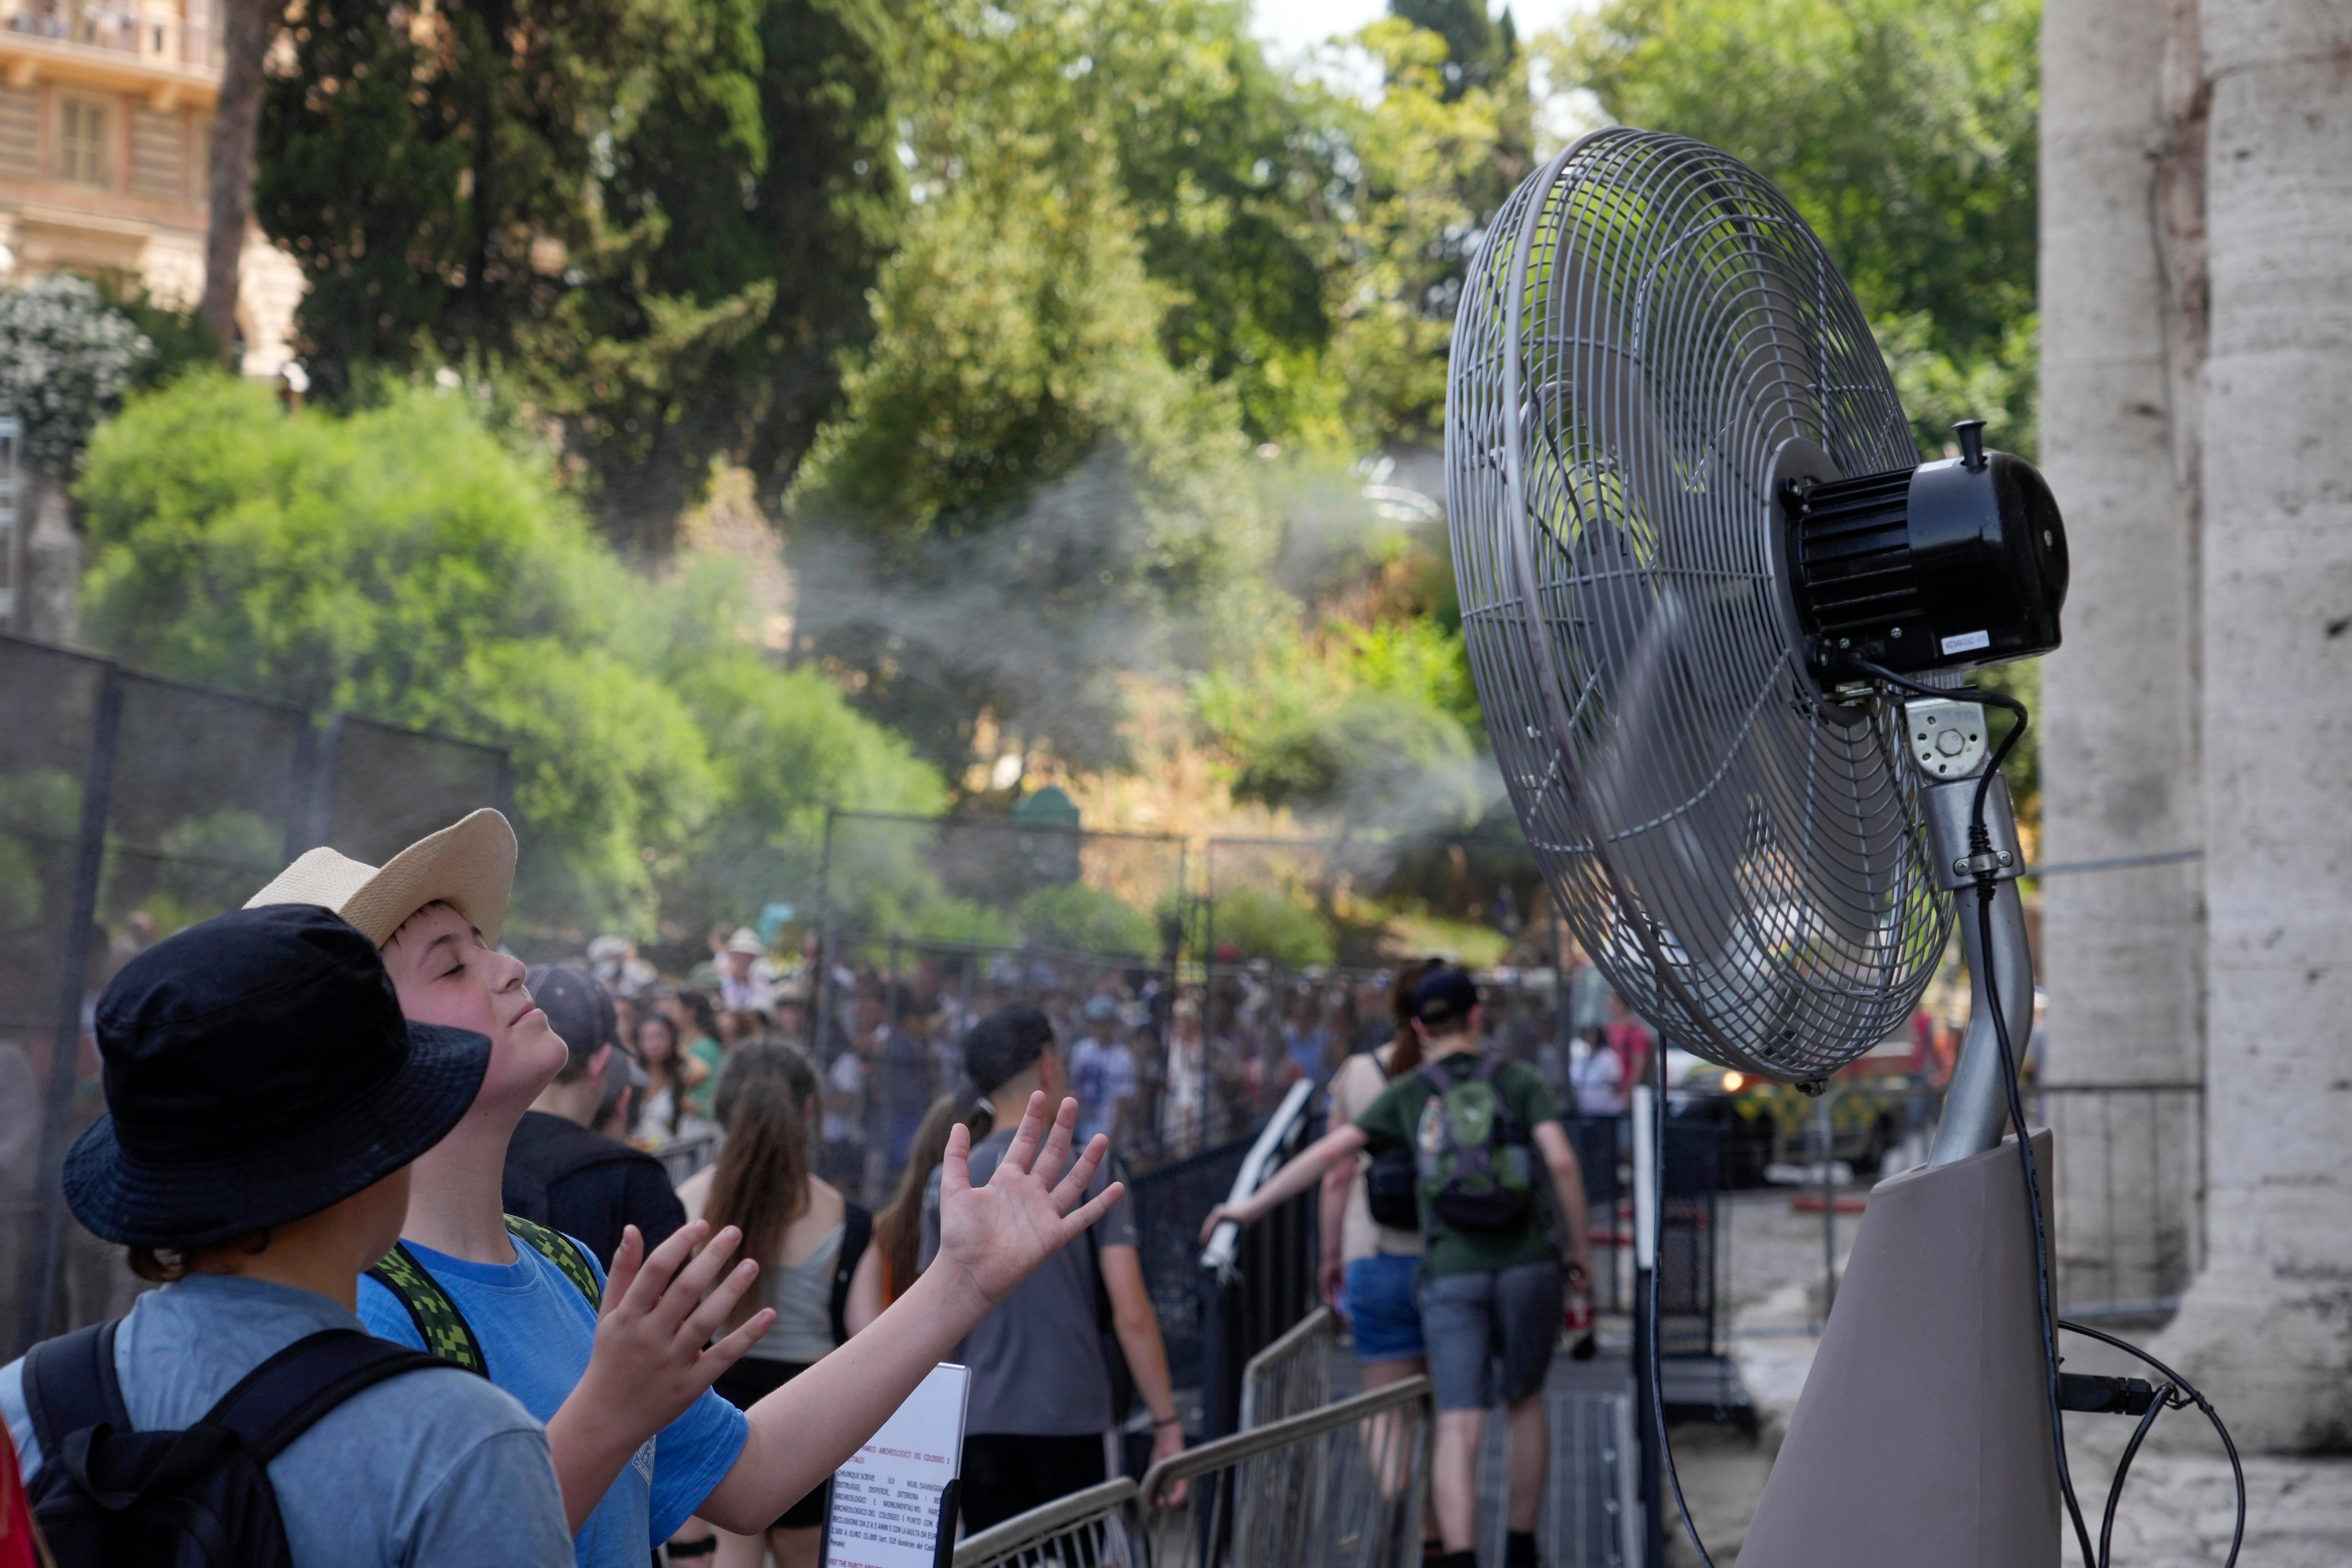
x,y
993,1236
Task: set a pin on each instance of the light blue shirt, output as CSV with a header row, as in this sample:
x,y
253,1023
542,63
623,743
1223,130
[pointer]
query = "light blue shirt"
x,y
430,1468
536,1329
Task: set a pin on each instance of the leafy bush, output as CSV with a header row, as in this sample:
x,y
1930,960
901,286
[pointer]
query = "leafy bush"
x,y
401,563
1259,923
1086,919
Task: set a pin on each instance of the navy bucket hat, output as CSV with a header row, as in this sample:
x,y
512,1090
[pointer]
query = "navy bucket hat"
x,y
258,1070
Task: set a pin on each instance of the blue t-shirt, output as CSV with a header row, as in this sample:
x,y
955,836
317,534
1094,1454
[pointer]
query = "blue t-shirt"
x,y
536,1329
436,1469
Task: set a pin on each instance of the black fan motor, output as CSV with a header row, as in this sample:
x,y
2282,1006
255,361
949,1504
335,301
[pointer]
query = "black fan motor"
x,y
1943,565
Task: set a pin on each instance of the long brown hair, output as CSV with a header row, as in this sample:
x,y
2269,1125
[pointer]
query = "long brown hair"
x,y
1407,1055
762,1184
899,1229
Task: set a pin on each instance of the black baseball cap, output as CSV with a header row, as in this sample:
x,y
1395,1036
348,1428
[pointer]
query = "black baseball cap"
x,y
258,1070
1005,1042
578,1009
1444,996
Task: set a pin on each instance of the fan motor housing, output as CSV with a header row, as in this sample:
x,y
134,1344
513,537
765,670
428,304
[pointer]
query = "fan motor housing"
x,y
1945,565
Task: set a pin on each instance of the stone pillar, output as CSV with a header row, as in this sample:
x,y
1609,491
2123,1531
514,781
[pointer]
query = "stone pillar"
x,y
2267,1329
48,592
2122,950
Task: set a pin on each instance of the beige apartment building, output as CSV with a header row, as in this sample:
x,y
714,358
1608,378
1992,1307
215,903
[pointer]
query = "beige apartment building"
x,y
105,138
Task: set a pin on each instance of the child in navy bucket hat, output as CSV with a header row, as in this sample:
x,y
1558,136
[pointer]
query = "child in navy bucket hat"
x,y
265,1101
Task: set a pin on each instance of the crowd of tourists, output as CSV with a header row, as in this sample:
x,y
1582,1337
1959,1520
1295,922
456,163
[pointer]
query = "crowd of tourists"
x,y
478,1262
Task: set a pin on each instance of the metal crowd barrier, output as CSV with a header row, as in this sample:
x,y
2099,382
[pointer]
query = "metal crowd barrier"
x,y
1342,1487
1095,1526
1292,1375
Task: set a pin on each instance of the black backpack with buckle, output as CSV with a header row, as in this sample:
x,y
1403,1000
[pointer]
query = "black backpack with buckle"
x,y
107,1495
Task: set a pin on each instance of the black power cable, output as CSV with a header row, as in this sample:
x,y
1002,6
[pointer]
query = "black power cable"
x,y
1987,884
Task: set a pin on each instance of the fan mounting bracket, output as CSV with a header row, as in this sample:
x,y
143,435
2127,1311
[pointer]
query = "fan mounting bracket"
x,y
1946,737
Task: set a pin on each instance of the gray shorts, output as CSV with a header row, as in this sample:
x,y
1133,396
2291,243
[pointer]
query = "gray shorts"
x,y
1474,1324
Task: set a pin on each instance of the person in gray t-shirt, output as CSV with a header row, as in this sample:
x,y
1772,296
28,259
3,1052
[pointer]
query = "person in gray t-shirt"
x,y
430,1468
1040,1404
282,1021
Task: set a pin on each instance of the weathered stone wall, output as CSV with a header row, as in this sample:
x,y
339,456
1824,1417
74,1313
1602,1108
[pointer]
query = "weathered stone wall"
x,y
2268,1327
2123,951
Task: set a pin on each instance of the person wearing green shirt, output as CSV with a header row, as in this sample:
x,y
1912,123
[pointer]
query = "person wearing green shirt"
x,y
1488,1293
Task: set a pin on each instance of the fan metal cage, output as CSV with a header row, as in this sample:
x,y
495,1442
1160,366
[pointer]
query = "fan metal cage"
x,y
1650,337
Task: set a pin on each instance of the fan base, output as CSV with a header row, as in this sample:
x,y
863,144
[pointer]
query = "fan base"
x,y
1923,1434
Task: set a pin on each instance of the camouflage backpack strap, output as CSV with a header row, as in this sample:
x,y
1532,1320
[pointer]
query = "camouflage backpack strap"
x,y
560,1250
439,1323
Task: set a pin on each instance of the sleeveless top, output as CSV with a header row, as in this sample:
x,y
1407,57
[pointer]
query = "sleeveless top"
x,y
802,1295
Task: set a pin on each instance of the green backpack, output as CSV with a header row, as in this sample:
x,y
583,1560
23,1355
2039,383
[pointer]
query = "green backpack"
x,y
1475,1172
439,1321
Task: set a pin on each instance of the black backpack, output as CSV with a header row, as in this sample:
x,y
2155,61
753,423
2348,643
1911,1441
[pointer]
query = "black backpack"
x,y
1392,1181
109,1496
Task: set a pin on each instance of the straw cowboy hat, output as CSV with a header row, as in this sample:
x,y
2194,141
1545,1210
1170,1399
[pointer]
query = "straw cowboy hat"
x,y
469,866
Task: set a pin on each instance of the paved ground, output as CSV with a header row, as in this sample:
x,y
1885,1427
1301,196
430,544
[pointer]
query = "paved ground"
x,y
2176,1511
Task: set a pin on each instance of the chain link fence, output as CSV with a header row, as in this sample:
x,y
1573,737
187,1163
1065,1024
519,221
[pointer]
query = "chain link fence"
x,y
132,806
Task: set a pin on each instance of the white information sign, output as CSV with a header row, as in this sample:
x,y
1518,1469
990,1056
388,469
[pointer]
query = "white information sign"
x,y
884,1510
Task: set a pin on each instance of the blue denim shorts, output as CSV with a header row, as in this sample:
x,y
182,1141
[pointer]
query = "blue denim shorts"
x,y
1379,1305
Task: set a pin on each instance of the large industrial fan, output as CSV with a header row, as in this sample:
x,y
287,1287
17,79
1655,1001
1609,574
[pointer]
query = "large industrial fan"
x,y
1719,616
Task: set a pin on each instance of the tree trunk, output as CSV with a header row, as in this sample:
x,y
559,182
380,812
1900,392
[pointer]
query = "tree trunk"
x,y
2124,949
2267,1327
249,27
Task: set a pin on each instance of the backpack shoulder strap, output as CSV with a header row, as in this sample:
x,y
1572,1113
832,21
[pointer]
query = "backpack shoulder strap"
x,y
278,1400
1436,1080
1507,1125
560,1250
856,1231
70,1385
439,1323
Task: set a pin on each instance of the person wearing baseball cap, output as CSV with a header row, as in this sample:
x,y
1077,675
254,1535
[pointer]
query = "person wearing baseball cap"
x,y
266,1101
621,1369
560,1173
1042,1380
1493,1281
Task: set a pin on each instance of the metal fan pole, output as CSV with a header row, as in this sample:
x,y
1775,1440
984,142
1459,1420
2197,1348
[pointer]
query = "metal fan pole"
x,y
1976,1105
1921,1437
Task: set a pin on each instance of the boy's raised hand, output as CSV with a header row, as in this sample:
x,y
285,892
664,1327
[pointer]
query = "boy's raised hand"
x,y
991,1237
652,1356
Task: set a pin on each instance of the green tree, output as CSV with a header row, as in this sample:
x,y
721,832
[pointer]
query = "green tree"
x,y
652,220
1904,131
1426,167
402,563
1020,498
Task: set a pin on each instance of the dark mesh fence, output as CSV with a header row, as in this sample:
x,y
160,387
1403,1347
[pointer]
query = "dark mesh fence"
x,y
130,808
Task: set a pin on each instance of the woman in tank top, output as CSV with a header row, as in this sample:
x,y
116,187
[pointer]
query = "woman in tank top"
x,y
817,1269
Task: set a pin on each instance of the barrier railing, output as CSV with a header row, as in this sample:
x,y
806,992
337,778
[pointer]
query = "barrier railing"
x,y
1342,1487
1260,1281
1292,1375
1095,1526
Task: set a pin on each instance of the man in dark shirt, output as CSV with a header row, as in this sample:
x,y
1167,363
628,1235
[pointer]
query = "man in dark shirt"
x,y
559,1173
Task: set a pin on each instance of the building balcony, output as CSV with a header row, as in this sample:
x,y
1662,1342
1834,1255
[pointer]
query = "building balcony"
x,y
149,47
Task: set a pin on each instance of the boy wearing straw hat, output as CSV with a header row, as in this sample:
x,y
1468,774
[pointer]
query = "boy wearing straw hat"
x,y
619,1369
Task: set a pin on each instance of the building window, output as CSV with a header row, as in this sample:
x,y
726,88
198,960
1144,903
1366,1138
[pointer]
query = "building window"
x,y
85,147
200,159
